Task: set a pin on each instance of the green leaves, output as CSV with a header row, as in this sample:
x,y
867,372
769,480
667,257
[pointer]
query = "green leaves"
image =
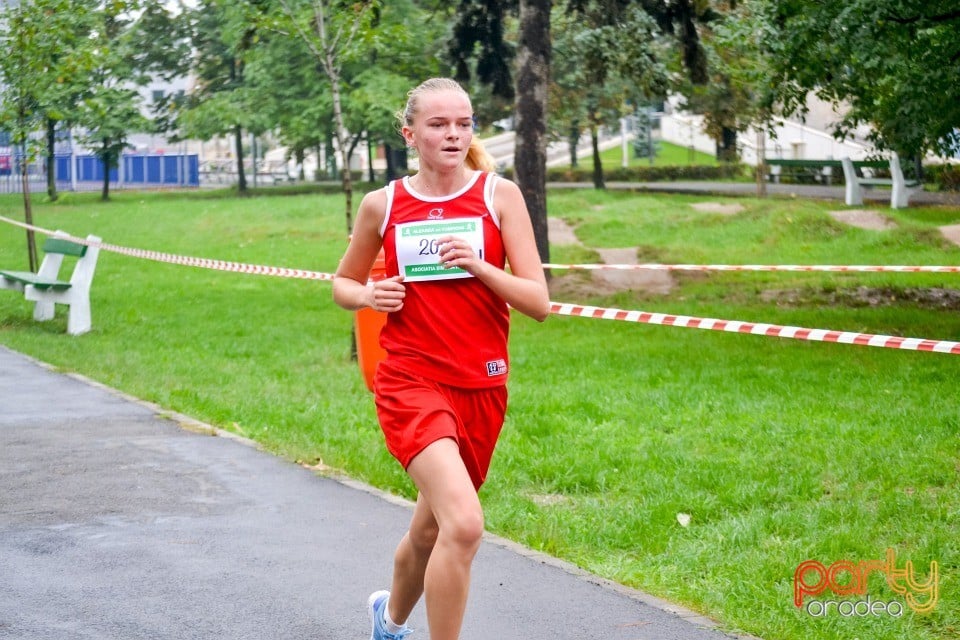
x,y
895,63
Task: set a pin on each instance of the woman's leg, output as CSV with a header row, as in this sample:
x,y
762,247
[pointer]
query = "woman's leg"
x,y
410,562
448,492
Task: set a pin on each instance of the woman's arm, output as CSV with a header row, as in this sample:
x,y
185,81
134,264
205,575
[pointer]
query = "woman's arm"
x,y
524,287
350,288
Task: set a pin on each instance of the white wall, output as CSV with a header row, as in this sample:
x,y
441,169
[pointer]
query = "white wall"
x,y
793,140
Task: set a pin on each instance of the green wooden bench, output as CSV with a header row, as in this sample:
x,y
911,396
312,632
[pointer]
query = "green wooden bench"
x,y
820,171
46,289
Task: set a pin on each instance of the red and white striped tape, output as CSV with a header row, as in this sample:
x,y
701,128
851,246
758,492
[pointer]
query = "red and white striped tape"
x,y
770,330
219,265
759,267
564,309
203,263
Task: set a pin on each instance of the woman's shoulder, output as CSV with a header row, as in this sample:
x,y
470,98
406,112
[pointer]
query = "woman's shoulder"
x,y
376,198
505,191
502,182
374,204
375,195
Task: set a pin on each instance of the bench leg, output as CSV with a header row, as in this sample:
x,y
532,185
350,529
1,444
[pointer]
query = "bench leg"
x,y
900,195
78,321
43,310
854,194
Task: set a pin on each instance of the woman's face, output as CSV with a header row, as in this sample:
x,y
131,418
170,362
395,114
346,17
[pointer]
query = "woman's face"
x,y
442,128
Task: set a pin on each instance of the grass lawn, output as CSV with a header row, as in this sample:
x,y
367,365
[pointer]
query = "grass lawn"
x,y
779,451
668,155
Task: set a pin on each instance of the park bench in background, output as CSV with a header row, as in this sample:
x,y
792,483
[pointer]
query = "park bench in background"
x,y
823,172
816,171
46,289
900,187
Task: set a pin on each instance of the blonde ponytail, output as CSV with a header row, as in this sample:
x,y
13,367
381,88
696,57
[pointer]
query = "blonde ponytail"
x,y
478,158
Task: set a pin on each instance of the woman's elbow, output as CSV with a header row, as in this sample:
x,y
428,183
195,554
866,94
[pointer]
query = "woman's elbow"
x,y
540,317
542,310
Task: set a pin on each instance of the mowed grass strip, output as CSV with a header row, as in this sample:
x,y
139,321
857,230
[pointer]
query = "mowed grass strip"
x,y
778,450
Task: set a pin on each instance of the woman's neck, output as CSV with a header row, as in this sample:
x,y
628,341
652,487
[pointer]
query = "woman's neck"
x,y
437,184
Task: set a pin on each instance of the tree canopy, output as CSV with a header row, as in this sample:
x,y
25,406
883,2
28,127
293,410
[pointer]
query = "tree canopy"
x,y
894,62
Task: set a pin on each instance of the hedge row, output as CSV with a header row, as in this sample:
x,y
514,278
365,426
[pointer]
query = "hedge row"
x,y
947,176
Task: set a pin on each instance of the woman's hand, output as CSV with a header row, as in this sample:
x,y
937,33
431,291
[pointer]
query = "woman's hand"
x,y
387,295
455,252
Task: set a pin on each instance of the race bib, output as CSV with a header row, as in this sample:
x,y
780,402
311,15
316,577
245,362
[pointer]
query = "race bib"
x,y
418,247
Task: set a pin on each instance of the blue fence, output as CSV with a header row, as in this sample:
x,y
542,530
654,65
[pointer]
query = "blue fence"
x,y
181,170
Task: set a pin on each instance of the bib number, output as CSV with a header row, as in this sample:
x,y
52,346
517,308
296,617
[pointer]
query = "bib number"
x,y
418,247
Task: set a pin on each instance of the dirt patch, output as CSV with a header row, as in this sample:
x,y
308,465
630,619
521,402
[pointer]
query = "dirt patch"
x,y
863,219
951,233
926,298
575,287
561,233
718,207
653,281
579,284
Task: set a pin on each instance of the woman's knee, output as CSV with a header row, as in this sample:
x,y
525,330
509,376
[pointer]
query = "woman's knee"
x,y
464,528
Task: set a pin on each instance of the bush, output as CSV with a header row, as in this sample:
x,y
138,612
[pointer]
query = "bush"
x,y
946,176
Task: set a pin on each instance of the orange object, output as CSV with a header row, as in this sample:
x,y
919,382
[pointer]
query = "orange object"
x,y
367,325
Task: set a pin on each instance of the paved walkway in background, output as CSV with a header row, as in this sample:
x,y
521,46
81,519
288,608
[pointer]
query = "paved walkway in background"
x,y
120,522
822,192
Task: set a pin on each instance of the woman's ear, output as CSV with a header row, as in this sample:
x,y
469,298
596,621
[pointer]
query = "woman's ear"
x,y
407,134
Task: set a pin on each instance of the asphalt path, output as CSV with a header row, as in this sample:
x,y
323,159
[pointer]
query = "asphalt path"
x,y
780,190
121,521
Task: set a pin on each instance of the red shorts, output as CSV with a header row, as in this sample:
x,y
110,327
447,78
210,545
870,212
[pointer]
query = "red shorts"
x,y
415,413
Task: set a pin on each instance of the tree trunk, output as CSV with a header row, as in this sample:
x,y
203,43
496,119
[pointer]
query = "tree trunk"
x,y
574,143
28,215
391,165
105,161
727,146
330,158
105,192
530,154
238,144
761,164
396,161
597,162
371,151
51,159
346,180
340,131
